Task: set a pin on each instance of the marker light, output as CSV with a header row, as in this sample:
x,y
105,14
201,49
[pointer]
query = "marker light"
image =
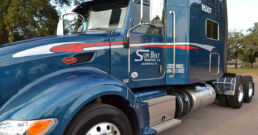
x,y
39,127
35,127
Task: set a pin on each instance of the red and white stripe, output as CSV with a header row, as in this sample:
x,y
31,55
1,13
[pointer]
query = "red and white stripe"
x,y
82,47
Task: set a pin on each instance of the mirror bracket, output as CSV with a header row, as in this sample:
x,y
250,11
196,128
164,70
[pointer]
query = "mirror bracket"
x,y
126,42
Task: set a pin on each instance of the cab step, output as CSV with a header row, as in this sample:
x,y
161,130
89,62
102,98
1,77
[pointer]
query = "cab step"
x,y
162,112
166,125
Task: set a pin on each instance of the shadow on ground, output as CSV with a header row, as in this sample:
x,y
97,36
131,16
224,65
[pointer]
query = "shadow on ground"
x,y
217,120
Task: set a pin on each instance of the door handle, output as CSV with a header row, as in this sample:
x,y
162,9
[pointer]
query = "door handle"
x,y
160,69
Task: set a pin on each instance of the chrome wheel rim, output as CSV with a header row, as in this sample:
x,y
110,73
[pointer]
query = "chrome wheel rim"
x,y
251,89
241,93
104,128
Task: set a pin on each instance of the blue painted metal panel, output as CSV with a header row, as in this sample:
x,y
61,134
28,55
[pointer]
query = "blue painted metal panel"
x,y
125,64
200,61
28,67
182,36
62,94
151,93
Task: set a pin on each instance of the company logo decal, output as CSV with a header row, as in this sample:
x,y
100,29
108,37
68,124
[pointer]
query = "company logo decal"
x,y
134,75
147,57
69,60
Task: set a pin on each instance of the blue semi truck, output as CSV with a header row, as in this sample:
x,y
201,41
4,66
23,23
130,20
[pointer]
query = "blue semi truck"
x,y
120,67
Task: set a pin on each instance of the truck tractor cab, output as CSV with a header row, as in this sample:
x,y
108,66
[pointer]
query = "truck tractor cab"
x,y
154,42
120,67
129,30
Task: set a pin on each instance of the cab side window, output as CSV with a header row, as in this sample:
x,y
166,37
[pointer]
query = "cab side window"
x,y
212,30
145,29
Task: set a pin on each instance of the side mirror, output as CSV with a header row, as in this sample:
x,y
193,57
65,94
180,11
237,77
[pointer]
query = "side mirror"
x,y
71,23
156,13
60,27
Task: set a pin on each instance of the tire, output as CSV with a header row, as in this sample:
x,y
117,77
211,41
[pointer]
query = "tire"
x,y
99,119
248,88
237,99
222,100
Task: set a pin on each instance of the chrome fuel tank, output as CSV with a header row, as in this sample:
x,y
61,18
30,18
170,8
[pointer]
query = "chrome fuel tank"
x,y
201,96
189,99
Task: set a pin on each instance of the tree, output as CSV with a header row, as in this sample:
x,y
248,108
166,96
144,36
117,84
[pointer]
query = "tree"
x,y
23,19
248,57
3,31
63,2
250,44
235,42
68,2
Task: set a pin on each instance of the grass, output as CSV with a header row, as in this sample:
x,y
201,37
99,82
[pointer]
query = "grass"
x,y
244,71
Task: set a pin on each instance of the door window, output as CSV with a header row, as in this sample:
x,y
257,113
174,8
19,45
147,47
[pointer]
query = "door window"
x,y
145,29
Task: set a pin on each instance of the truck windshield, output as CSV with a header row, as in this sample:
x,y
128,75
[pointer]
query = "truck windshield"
x,y
103,14
107,19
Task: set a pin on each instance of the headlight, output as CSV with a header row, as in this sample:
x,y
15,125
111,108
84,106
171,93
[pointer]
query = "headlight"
x,y
35,127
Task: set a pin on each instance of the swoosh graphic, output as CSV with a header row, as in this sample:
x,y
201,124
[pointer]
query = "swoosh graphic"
x,y
81,47
40,50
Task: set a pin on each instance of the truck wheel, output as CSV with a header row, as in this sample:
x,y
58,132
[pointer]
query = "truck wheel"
x,y
248,88
222,99
100,119
236,100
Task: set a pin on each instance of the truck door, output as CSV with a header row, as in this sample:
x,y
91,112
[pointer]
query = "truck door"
x,y
145,58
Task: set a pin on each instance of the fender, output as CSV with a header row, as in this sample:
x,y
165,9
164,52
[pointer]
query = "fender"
x,y
62,94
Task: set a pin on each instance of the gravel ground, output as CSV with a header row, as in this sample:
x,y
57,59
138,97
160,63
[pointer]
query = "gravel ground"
x,y
217,120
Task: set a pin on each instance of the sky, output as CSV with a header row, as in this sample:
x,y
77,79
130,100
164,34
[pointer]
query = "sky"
x,y
242,14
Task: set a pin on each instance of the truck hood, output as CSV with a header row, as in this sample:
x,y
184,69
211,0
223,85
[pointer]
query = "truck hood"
x,y
23,62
